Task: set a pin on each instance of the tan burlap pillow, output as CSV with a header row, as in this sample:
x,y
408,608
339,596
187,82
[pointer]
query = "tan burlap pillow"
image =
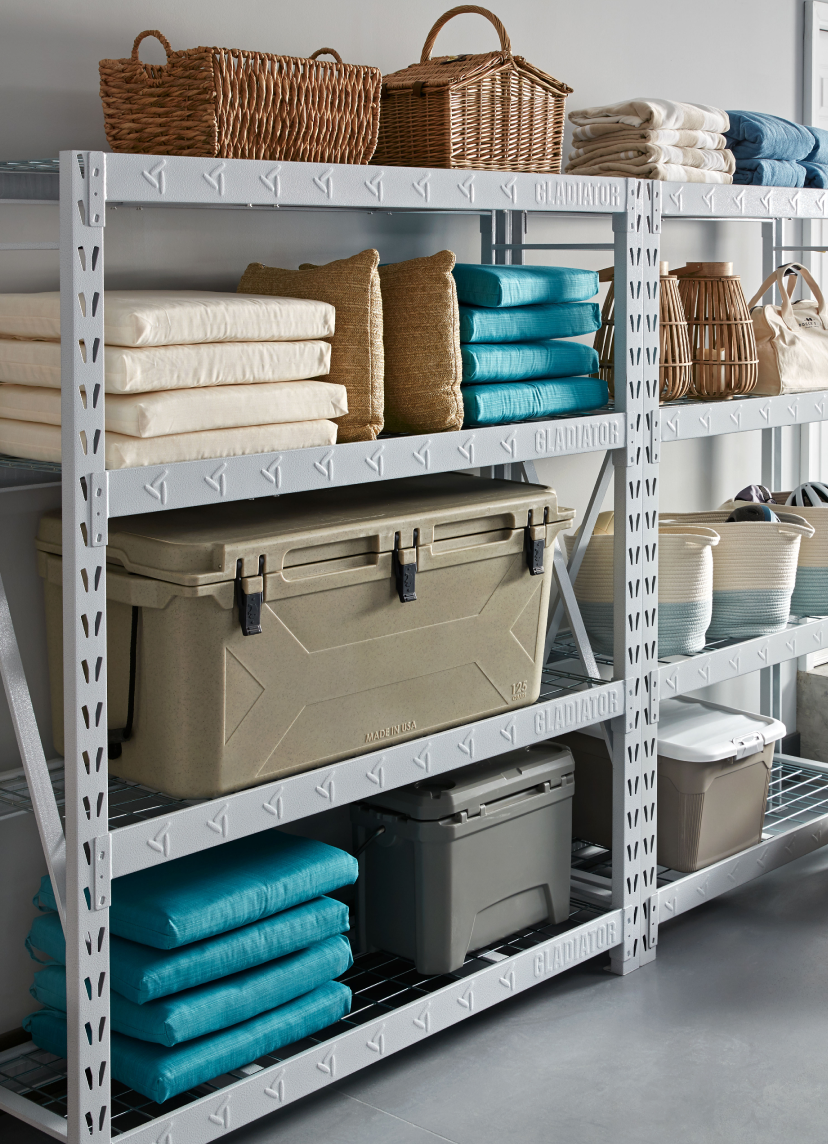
x,y
352,287
421,332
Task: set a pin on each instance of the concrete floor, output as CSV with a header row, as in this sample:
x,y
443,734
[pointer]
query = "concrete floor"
x,y
724,1040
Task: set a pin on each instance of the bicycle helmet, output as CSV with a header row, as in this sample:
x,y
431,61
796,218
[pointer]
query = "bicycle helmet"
x,y
809,495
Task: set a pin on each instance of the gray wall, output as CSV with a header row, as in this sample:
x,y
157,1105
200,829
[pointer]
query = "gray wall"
x,y
712,51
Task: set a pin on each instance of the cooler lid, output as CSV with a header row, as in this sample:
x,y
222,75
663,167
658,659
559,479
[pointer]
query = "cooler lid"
x,y
480,784
201,545
695,731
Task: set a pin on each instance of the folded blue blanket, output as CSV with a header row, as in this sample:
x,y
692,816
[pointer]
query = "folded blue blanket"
x,y
500,404
218,890
816,174
769,173
522,361
142,973
528,323
479,285
159,1072
216,1005
755,135
819,152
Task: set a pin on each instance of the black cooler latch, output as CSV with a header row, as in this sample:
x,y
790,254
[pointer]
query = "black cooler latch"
x,y
250,603
534,543
405,573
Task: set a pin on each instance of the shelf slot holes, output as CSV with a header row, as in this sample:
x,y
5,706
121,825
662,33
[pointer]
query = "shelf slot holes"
x,y
81,211
101,1073
89,1081
88,853
98,759
102,1119
83,534
82,392
96,345
85,756
84,488
96,393
90,1123
88,1030
95,253
96,440
82,303
98,618
98,666
85,713
98,574
82,257
85,625
85,579
101,983
88,808
87,981
82,348
100,803
96,297
98,713
88,943
82,436
101,936
85,669
101,1028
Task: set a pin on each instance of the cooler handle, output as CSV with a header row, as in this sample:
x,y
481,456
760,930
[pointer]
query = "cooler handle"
x,y
749,745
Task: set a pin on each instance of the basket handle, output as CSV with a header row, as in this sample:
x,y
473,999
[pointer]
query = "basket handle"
x,y
786,309
327,52
505,42
162,39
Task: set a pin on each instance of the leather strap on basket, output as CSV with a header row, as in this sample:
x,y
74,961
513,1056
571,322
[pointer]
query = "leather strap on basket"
x,y
146,70
505,42
786,309
327,52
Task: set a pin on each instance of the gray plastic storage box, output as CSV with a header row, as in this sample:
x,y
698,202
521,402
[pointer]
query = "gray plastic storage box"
x,y
281,634
714,765
468,857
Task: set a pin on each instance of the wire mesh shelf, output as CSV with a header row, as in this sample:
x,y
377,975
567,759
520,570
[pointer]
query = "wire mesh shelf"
x,y
380,983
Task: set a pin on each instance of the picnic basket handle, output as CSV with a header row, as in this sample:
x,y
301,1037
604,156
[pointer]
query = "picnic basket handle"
x,y
146,70
505,42
327,52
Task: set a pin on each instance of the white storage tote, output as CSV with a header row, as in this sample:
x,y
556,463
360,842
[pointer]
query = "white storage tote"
x,y
685,586
754,570
810,595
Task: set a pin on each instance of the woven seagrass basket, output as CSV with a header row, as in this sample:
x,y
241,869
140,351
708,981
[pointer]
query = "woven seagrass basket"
x,y
490,112
231,104
674,371
725,361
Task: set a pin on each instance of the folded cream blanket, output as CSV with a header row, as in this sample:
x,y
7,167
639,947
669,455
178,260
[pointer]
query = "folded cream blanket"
x,y
655,113
175,317
42,443
624,136
665,172
647,155
189,410
128,370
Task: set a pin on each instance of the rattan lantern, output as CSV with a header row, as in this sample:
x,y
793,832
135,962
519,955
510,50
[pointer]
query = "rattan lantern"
x,y
674,373
725,362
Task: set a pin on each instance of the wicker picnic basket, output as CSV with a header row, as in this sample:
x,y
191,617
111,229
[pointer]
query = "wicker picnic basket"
x,y
231,104
674,368
490,112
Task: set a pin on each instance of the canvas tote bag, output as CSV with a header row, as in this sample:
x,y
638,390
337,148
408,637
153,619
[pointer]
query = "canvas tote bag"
x,y
791,339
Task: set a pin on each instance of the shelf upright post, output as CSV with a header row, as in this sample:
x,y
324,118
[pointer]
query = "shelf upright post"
x,y
629,229
88,851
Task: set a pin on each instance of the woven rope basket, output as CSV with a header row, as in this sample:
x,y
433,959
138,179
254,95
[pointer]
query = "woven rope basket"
x,y
231,104
725,361
491,112
674,371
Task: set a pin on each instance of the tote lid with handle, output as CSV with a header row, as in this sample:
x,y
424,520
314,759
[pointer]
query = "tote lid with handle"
x,y
695,731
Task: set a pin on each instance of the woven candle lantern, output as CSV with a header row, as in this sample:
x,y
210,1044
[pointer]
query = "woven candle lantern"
x,y
674,374
723,346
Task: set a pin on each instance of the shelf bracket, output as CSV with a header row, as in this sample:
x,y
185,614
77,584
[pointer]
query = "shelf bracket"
x,y
652,921
102,871
31,752
97,485
95,188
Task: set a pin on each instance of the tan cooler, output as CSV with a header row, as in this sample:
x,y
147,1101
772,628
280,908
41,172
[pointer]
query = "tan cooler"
x,y
373,614
713,771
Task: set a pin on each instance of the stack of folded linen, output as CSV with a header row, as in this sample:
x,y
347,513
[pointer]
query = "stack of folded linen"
x,y
815,162
216,959
517,363
769,151
652,139
188,375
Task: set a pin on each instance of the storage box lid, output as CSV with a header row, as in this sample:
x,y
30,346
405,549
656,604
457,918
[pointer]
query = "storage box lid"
x,y
481,784
195,546
695,731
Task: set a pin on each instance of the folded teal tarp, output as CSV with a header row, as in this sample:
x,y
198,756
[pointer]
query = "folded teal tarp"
x,y
216,1005
522,285
524,361
500,404
218,890
528,323
141,973
159,1072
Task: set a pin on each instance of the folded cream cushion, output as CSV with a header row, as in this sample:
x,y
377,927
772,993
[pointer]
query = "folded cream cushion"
x,y
42,443
176,317
179,411
172,367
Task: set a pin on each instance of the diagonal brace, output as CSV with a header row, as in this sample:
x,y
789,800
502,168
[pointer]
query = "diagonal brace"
x,y
31,752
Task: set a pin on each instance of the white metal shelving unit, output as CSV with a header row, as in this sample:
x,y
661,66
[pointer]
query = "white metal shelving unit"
x,y
112,828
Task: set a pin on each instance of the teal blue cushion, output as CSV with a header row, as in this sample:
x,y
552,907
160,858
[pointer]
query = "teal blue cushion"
x,y
494,404
524,361
216,1005
158,1072
527,323
220,889
142,973
522,285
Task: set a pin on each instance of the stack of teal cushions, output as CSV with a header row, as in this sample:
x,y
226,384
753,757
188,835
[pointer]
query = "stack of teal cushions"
x,y
517,363
215,959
